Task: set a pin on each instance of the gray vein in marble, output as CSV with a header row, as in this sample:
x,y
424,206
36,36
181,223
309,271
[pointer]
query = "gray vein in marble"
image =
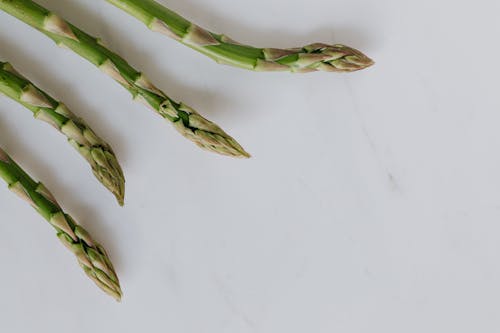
x,y
228,297
393,182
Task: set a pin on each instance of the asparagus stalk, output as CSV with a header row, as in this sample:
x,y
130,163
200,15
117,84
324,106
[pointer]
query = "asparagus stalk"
x,y
187,121
96,151
91,256
222,49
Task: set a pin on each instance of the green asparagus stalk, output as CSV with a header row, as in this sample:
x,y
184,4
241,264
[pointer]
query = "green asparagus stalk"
x,y
222,49
91,256
187,121
96,151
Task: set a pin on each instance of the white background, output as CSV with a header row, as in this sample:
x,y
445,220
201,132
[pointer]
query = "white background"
x,y
371,203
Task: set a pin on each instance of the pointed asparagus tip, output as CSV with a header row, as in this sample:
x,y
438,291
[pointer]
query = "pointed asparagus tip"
x,y
120,198
108,171
225,146
206,134
360,61
344,59
243,153
314,57
246,155
115,183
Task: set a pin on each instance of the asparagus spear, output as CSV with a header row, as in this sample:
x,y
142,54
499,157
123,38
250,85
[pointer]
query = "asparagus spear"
x,y
96,151
314,57
187,121
91,256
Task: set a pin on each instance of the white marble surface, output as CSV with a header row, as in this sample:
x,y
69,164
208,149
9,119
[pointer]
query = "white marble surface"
x,y
372,202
